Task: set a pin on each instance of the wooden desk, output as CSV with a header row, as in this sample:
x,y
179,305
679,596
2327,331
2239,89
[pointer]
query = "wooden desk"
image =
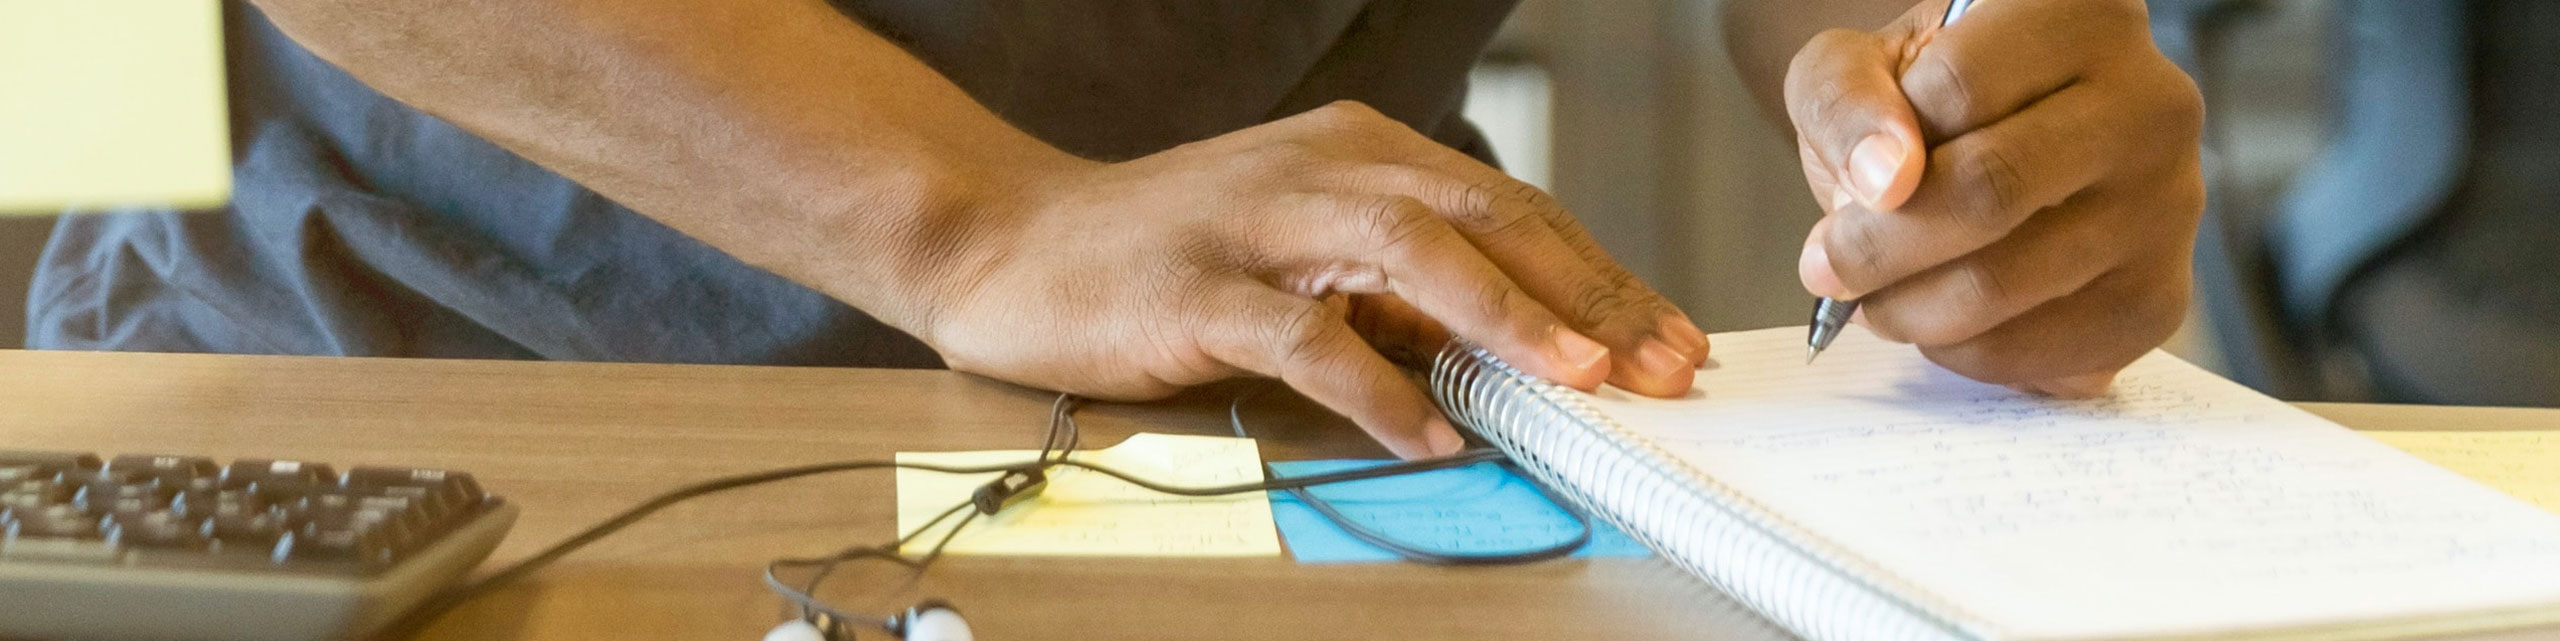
x,y
574,442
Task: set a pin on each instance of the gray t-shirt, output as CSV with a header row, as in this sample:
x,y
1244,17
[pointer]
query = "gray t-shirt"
x,y
361,226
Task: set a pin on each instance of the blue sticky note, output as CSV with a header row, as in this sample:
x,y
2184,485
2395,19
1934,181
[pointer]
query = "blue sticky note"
x,y
1478,509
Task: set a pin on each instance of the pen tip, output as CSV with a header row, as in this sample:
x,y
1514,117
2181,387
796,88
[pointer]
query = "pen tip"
x,y
1810,352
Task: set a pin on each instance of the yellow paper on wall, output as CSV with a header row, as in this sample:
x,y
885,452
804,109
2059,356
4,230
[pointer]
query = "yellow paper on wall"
x,y
107,103
2523,463
1083,513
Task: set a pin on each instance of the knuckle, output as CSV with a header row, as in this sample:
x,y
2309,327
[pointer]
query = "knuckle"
x,y
1402,225
1822,109
1938,88
1481,210
1593,305
1979,285
1992,192
1972,288
2159,313
1348,115
2181,105
1863,250
1303,335
1494,299
2185,194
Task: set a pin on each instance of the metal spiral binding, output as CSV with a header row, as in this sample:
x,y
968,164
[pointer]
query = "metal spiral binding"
x,y
1760,560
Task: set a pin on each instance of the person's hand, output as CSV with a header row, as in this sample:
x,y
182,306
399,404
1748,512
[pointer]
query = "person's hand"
x,y
2016,194
1300,250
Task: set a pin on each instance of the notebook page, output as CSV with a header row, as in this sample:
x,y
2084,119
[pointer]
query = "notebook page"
x,y
2181,504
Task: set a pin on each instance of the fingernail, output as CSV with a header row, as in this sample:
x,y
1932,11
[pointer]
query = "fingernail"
x,y
1683,336
1580,352
1660,358
1442,437
1872,165
1814,267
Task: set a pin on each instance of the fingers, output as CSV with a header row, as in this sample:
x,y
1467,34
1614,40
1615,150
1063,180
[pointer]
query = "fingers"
x,y
2054,254
1850,112
1655,350
1306,344
1521,231
2006,55
1396,329
1397,245
1979,187
2057,347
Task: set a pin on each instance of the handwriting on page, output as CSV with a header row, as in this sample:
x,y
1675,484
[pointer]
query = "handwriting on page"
x,y
2525,464
2179,490
2001,466
1084,513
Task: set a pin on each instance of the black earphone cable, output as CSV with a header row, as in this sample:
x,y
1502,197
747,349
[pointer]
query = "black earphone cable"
x,y
1056,451
1406,550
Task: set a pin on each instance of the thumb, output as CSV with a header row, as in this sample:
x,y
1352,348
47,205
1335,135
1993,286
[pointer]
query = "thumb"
x,y
1849,109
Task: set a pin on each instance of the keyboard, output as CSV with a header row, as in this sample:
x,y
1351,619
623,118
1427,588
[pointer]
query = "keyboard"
x,y
184,547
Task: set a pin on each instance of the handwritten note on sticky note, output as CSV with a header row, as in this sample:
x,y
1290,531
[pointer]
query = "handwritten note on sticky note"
x,y
2523,463
1083,513
1477,509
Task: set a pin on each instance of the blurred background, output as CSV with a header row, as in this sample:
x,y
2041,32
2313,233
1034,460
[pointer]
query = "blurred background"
x,y
1628,111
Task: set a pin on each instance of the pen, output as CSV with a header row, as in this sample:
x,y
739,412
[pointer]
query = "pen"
x,y
1831,315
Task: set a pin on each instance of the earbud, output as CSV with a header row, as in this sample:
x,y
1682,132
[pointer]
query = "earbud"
x,y
796,630
933,621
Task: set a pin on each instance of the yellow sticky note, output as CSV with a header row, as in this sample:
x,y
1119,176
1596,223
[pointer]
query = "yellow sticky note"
x,y
108,103
1083,513
2523,463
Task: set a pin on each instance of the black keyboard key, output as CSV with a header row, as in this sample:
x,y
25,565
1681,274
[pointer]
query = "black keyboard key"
x,y
279,480
251,530
315,505
173,471
266,516
58,522
157,529
342,534
455,488
139,495
20,465
234,503
12,474
36,494
195,503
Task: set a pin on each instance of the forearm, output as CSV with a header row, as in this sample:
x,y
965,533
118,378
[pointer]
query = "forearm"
x,y
776,130
1764,35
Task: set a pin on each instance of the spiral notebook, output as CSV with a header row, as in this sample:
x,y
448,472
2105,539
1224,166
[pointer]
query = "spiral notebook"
x,y
1873,495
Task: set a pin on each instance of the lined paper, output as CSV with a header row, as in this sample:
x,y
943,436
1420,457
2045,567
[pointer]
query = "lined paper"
x,y
2180,504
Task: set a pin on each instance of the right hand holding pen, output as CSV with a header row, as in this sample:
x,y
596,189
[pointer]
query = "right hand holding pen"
x,y
1299,249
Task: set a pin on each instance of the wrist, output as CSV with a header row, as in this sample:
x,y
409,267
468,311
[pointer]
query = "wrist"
x,y
911,241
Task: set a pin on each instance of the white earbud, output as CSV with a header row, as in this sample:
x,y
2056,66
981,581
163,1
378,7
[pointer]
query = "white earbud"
x,y
936,624
795,630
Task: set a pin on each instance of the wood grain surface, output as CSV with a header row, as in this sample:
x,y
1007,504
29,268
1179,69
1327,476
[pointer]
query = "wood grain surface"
x,y
574,442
